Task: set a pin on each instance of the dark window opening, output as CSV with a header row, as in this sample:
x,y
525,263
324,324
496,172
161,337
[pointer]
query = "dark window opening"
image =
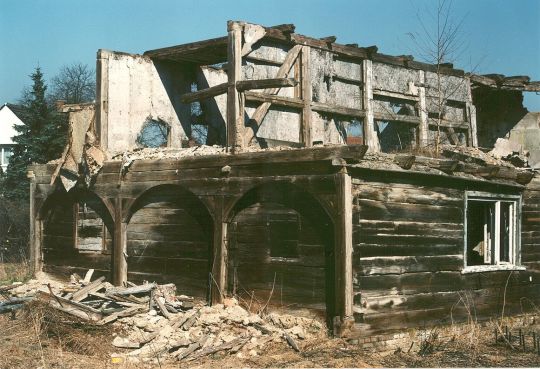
x,y
283,239
154,133
396,136
90,229
199,126
491,234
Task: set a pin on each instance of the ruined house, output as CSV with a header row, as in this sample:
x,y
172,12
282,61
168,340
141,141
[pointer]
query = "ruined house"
x,y
295,172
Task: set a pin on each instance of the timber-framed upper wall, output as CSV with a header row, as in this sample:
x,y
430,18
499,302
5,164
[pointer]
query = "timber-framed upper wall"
x,y
268,86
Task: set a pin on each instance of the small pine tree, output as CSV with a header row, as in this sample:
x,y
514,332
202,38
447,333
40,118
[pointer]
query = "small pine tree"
x,y
40,139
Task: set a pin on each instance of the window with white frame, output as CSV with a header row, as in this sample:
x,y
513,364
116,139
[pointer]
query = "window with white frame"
x,y
492,230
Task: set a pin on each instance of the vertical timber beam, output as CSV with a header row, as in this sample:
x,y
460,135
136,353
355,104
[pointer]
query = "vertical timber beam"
x,y
102,97
369,122
120,246
343,253
218,278
35,238
423,129
471,114
235,109
306,97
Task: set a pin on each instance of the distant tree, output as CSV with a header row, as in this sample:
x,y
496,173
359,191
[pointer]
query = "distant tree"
x,y
74,84
40,138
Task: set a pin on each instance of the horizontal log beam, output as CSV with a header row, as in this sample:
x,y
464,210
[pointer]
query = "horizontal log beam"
x,y
396,118
252,84
204,94
296,103
395,95
257,84
289,102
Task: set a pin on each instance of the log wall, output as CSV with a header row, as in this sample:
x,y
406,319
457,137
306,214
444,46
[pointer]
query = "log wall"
x,y
276,255
408,259
167,243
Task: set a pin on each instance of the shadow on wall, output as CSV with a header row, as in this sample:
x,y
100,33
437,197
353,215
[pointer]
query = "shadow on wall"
x,y
497,113
176,79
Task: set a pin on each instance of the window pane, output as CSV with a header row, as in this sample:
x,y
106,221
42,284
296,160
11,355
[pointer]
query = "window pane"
x,y
480,235
505,232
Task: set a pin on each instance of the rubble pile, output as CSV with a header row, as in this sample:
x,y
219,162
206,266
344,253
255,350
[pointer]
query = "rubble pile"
x,y
155,323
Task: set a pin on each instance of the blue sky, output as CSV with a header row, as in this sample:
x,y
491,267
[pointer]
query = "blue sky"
x,y
501,36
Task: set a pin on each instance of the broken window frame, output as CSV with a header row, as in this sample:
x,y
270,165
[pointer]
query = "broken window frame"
x,y
492,254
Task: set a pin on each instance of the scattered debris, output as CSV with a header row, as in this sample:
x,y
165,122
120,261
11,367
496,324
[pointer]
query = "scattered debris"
x,y
158,324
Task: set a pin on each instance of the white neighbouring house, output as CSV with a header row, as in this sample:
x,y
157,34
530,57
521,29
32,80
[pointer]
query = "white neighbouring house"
x,y
8,121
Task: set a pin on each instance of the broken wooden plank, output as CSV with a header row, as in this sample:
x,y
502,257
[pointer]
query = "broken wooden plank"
x,y
123,291
181,354
404,161
94,286
134,310
204,94
88,275
291,341
162,307
222,347
257,84
444,165
71,307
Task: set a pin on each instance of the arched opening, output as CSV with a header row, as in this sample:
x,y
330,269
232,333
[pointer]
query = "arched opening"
x,y
169,235
281,250
76,233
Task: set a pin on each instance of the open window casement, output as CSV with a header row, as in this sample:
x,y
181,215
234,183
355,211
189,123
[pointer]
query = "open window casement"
x,y
492,237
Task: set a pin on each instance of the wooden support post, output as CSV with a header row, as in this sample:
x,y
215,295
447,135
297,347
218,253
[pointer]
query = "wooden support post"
x,y
343,253
120,246
306,97
218,281
235,108
370,134
35,239
423,128
471,116
75,225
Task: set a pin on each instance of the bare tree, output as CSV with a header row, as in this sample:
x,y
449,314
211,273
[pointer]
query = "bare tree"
x,y
440,42
74,84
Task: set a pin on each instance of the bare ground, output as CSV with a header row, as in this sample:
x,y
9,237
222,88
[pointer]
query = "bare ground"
x,y
40,337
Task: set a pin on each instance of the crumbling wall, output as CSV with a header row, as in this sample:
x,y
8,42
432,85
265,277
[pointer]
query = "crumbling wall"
x,y
133,90
526,133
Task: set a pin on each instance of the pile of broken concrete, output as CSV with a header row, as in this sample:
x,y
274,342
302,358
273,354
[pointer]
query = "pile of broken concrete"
x,y
155,323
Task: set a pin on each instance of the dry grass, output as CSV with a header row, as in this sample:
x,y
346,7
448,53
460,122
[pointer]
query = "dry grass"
x,y
43,337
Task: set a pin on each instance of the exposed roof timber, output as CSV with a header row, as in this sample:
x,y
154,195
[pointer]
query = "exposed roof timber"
x,y
207,52
515,83
214,51
353,51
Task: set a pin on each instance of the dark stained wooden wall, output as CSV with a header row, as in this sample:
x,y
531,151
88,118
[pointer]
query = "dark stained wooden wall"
x,y
408,257
59,252
168,241
530,231
276,254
